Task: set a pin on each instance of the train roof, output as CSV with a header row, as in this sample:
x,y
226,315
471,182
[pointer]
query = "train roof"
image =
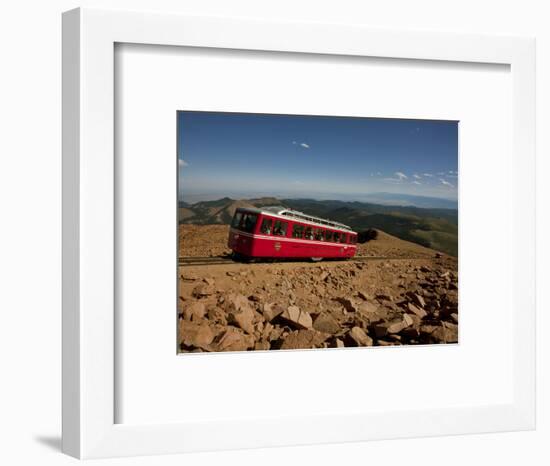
x,y
283,212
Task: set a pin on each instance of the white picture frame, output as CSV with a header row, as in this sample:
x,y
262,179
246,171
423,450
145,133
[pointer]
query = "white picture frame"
x,y
89,38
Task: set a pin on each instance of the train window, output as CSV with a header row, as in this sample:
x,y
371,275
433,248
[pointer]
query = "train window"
x,y
280,228
248,222
297,231
344,238
319,234
309,233
236,219
336,237
266,227
328,235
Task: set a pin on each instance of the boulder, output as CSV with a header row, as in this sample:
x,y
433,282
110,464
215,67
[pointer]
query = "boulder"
x,y
241,313
297,318
368,308
202,290
271,310
234,340
446,333
266,332
243,318
215,314
359,337
414,309
416,299
198,335
262,345
302,339
326,323
394,326
194,311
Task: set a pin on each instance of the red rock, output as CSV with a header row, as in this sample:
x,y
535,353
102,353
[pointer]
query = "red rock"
x,y
234,340
360,337
262,345
303,339
395,326
271,310
202,290
297,318
241,313
326,323
217,315
446,333
199,335
414,309
416,299
194,311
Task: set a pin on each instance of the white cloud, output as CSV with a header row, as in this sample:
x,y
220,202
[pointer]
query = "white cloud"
x,y
429,175
399,177
304,145
183,163
417,182
446,183
417,176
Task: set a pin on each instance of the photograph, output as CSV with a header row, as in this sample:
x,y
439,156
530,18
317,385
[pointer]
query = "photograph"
x,y
315,232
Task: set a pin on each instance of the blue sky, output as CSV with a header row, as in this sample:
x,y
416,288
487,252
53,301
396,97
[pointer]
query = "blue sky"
x,y
242,155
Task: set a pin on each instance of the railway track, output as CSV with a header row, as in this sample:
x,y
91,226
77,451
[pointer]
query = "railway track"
x,y
222,260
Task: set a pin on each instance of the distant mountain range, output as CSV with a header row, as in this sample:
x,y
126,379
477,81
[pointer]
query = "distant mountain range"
x,y
434,227
410,200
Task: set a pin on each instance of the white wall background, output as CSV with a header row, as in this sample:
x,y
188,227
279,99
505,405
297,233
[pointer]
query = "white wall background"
x,y
30,225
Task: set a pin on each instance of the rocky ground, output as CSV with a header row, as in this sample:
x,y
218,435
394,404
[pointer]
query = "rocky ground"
x,y
297,305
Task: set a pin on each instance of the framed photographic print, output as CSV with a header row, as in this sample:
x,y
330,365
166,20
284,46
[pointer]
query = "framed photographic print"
x,y
292,212
281,243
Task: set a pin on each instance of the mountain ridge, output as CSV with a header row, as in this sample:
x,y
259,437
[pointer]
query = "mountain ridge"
x,y
436,228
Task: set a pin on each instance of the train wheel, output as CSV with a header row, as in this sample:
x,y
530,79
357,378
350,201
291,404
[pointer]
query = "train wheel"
x,y
316,259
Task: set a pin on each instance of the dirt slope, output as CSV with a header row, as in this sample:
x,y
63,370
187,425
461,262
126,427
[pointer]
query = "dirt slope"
x,y
298,305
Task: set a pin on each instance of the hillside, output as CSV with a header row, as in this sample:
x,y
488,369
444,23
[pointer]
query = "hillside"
x,y
433,228
211,241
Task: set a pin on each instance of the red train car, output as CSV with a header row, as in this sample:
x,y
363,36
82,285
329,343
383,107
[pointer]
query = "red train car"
x,y
276,232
